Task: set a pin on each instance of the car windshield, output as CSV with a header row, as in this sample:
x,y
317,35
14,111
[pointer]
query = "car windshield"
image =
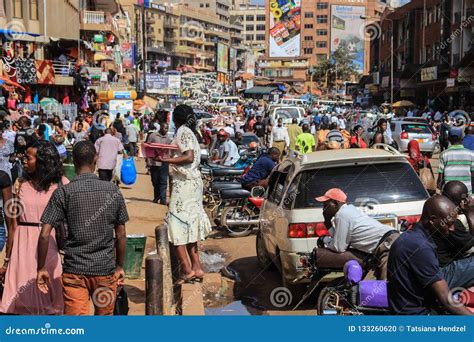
x,y
287,113
416,128
373,183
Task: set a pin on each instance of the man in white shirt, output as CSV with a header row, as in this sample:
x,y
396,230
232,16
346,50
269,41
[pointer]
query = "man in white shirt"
x,y
410,113
132,134
228,128
280,138
229,152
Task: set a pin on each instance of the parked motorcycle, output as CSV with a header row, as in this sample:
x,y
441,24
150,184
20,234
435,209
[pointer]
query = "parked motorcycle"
x,y
241,210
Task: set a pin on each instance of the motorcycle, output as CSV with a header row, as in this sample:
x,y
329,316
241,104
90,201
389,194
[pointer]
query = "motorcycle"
x,y
241,210
352,294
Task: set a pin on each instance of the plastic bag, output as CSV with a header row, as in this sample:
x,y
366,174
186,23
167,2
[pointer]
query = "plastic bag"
x,y
128,174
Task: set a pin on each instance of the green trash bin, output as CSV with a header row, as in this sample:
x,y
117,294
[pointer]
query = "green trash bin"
x,y
134,253
69,169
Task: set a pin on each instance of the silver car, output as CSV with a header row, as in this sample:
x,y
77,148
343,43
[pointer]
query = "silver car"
x,y
405,131
380,182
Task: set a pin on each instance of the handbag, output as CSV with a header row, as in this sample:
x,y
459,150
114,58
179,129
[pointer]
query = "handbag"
x,y
121,302
427,178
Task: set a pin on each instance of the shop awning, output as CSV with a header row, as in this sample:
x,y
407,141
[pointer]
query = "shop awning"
x,y
260,90
12,32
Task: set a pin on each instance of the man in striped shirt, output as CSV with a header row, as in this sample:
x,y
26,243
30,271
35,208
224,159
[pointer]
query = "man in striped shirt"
x,y
457,162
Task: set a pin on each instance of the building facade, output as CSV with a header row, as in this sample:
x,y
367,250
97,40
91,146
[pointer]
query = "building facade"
x,y
253,20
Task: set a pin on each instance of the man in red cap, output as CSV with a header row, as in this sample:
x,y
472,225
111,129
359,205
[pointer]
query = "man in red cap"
x,y
352,229
228,150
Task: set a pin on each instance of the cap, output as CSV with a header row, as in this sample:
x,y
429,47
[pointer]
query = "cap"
x,y
455,132
333,194
222,133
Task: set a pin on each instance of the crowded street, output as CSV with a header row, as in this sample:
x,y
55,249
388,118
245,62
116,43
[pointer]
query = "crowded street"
x,y
244,158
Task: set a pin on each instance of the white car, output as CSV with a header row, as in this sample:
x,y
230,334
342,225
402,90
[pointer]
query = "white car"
x,y
381,182
287,114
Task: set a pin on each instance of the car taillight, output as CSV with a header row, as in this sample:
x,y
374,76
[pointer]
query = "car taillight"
x,y
307,230
407,222
404,136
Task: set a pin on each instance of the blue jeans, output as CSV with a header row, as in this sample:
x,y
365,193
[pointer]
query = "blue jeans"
x,y
159,179
3,237
459,273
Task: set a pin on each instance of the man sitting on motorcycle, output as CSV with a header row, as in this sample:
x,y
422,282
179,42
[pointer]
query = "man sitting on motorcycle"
x,y
350,228
455,250
260,171
228,153
415,280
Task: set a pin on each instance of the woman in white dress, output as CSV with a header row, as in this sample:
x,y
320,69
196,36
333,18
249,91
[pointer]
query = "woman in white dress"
x,y
187,220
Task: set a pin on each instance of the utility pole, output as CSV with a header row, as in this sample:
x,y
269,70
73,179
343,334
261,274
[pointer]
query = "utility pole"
x,y
137,81
144,48
391,64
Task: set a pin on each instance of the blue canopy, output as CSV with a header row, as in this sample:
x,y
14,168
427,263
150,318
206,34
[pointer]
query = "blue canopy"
x,y
11,32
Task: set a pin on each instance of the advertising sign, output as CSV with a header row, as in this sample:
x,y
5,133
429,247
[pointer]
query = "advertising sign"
x,y
285,28
450,82
250,63
429,74
163,84
222,58
119,107
127,52
346,32
233,59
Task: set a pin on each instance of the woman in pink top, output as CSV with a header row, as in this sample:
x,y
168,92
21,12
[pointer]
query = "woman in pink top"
x,y
44,173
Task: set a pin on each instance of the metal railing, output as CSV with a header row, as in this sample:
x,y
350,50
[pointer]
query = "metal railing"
x,y
93,17
63,69
58,109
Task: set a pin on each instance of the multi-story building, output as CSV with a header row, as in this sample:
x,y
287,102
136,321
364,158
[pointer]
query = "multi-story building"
x,y
252,18
432,52
318,29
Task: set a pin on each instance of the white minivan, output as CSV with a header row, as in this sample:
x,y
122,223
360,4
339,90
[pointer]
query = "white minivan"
x,y
225,101
287,114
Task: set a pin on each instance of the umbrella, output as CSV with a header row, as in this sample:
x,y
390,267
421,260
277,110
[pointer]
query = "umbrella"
x,y
99,57
47,101
404,103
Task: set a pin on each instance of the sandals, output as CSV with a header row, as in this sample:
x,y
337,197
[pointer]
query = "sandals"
x,y
186,279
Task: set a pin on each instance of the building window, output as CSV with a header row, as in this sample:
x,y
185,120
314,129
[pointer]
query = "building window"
x,y
249,38
322,5
322,32
308,51
260,37
260,27
17,9
308,26
250,18
34,9
261,17
308,38
250,28
309,15
321,57
321,44
322,19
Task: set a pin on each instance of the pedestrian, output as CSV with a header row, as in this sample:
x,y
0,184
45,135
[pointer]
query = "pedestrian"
x,y
415,282
94,253
43,175
417,160
79,134
159,171
457,162
294,130
334,138
108,147
379,136
132,134
229,129
187,221
5,220
305,142
80,119
468,141
356,139
322,135
279,138
259,129
66,124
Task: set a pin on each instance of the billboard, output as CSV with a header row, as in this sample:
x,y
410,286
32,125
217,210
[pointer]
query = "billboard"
x,y
127,53
163,84
233,59
222,58
346,26
285,28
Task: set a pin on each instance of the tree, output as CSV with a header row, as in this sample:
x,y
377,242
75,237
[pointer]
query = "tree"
x,y
340,65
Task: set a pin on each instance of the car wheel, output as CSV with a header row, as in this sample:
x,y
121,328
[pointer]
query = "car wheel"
x,y
262,255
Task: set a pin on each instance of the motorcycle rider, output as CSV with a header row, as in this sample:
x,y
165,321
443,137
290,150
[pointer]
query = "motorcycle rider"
x,y
260,171
415,280
228,150
350,228
457,266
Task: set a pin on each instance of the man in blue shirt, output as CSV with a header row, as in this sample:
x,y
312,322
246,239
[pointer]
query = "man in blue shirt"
x,y
258,174
468,141
415,283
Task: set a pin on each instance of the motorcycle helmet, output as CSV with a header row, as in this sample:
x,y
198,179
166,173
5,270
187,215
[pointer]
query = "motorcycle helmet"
x,y
253,145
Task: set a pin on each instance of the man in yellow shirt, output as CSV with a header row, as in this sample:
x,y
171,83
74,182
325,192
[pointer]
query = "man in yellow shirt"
x,y
294,131
305,142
